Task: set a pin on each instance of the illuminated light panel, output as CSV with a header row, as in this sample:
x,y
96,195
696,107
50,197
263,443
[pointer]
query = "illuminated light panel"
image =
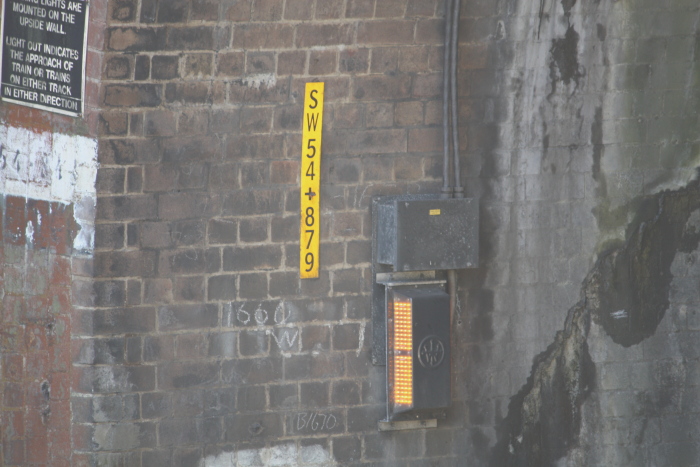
x,y
401,341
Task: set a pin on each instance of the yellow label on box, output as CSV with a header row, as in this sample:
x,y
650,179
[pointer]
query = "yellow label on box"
x,y
434,212
310,230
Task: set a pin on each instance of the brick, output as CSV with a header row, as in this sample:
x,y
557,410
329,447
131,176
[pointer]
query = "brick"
x,y
160,123
345,392
222,287
230,64
120,264
284,284
240,428
253,343
101,352
165,66
348,116
252,202
381,87
314,422
253,286
113,123
291,62
347,449
222,231
187,205
253,230
379,115
301,367
109,236
314,394
386,32
181,375
390,9
331,9
123,11
133,95
354,60
283,396
424,140
188,233
346,336
116,321
157,348
314,34
192,345
359,9
323,62
252,146
189,92
262,36
358,252
252,370
254,174
204,10
174,11
367,142
135,39
251,399
188,289
260,62
118,67
198,65
115,379
267,10
248,90
158,291
123,152
256,120
110,180
223,344
364,417
298,9
142,68
179,317
426,85
224,121
252,258
190,38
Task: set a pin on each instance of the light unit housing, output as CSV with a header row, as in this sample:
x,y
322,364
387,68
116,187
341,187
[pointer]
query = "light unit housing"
x,y
418,350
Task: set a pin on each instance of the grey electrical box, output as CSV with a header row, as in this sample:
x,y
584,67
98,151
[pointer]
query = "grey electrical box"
x,y
427,234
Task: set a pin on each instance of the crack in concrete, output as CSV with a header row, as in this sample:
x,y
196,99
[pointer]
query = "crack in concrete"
x,y
626,293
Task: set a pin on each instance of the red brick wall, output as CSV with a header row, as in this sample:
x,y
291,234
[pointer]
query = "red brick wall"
x,y
38,268
35,273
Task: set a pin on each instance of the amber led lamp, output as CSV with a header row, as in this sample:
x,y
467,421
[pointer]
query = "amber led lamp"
x,y
400,334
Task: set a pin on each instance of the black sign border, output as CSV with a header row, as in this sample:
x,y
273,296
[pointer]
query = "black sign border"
x,y
84,62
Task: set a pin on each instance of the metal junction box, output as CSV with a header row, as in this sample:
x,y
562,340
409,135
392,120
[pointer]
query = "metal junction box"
x,y
427,234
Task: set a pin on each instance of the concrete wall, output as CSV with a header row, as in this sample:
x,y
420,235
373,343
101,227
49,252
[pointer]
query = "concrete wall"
x,y
194,343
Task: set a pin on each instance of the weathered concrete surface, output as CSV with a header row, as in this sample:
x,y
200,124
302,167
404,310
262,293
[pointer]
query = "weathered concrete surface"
x,y
584,157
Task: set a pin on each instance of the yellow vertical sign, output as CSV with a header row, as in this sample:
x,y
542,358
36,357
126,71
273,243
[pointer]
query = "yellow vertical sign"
x,y
310,231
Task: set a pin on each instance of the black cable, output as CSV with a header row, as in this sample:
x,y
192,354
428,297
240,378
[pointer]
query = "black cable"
x,y
458,190
446,187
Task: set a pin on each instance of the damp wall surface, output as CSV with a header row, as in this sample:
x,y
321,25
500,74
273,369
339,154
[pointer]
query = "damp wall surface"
x,y
194,343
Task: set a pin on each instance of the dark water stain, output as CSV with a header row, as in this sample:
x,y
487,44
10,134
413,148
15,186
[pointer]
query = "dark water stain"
x,y
568,5
627,290
601,32
544,418
564,65
627,294
598,147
